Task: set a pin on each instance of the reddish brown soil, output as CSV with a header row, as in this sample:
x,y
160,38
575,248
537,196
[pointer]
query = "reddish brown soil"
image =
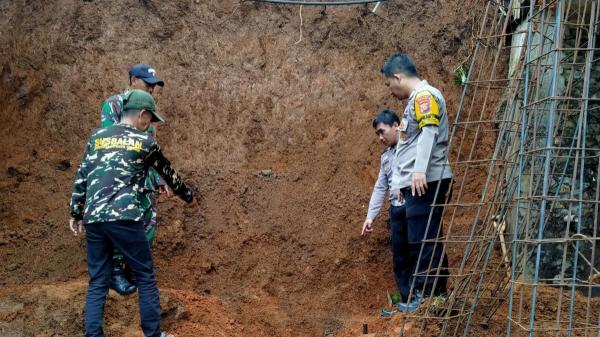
x,y
267,256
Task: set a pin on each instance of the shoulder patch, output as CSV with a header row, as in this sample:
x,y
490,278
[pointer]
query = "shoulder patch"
x,y
426,109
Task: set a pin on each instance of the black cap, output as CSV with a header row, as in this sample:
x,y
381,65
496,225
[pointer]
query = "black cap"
x,y
145,73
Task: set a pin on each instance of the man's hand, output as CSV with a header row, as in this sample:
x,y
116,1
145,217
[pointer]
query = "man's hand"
x,y
76,226
194,204
419,183
164,189
367,227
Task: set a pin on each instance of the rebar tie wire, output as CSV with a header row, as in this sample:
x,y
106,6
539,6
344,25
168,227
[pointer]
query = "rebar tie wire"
x,y
321,3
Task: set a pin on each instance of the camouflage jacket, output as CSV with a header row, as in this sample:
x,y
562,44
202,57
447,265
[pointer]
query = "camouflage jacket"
x,y
109,184
110,114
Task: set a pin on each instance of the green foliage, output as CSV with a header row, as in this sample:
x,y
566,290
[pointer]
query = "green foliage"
x,y
460,76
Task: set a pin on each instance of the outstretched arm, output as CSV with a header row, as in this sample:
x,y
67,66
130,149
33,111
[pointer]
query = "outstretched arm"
x,y
162,165
377,199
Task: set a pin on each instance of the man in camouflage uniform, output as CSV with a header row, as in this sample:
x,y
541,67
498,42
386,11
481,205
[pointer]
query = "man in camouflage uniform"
x,y
107,198
142,77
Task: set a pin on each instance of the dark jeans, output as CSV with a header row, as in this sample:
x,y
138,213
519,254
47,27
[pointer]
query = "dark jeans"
x,y
427,256
402,261
129,238
150,204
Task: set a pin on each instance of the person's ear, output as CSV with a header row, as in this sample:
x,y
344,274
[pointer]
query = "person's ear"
x,y
395,125
135,80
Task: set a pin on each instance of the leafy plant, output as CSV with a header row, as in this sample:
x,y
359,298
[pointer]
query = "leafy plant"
x,y
460,76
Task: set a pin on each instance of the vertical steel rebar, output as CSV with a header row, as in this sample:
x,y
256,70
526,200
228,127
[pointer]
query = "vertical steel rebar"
x,y
547,162
584,111
521,162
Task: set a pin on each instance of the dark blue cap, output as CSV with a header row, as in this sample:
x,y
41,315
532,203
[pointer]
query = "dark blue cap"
x,y
145,73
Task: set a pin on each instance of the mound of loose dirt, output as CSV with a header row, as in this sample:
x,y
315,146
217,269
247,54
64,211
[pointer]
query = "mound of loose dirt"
x,y
56,311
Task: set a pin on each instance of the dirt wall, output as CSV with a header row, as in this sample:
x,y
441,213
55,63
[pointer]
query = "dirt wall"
x,y
248,88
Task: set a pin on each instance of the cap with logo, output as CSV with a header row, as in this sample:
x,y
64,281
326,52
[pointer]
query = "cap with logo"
x,y
140,100
145,73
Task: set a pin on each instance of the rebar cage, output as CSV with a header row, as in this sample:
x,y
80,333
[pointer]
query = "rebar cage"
x,y
524,244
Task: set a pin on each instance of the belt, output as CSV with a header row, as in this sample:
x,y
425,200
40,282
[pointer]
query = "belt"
x,y
397,203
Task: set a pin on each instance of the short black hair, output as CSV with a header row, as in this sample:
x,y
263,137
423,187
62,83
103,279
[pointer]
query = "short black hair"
x,y
399,63
387,117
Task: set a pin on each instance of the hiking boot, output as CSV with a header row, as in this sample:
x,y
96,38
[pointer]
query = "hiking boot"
x,y
413,305
118,281
129,275
164,334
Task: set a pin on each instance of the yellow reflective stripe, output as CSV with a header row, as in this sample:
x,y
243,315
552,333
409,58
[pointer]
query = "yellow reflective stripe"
x,y
426,109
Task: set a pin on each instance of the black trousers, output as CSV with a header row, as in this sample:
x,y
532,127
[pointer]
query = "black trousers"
x,y
130,239
426,255
403,261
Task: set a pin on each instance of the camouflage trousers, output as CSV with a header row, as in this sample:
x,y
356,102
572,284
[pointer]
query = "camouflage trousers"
x,y
149,204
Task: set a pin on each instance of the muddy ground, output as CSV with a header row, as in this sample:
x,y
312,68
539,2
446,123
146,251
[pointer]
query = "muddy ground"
x,y
248,88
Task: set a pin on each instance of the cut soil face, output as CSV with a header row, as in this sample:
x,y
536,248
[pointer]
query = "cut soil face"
x,y
269,254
